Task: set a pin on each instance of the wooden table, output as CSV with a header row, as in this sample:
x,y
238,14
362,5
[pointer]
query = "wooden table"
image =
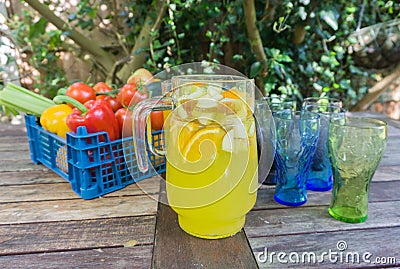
x,y
43,224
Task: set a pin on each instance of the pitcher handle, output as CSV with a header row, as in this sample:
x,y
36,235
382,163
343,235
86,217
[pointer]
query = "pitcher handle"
x,y
140,118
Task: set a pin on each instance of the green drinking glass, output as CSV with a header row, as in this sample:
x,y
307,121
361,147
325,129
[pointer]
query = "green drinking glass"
x,y
356,147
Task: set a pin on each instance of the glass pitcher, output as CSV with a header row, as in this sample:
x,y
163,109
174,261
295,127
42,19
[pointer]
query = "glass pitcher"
x,y
210,148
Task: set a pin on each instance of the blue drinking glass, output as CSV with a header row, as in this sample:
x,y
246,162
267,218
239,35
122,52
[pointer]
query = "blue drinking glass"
x,y
296,140
275,103
320,177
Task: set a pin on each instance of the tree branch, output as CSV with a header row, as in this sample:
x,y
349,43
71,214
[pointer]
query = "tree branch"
x,y
103,58
376,91
255,38
142,43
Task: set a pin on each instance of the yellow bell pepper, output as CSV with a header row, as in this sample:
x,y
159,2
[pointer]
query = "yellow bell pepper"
x,y
54,118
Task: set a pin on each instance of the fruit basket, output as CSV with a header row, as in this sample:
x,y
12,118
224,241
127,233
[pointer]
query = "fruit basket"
x,y
91,163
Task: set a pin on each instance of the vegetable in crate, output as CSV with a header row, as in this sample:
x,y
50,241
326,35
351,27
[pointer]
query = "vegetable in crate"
x,y
23,100
104,91
95,115
54,118
130,95
102,87
124,118
157,120
81,92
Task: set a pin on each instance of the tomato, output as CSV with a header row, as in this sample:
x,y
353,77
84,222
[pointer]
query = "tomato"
x,y
102,87
81,92
124,117
157,120
114,103
139,96
126,94
130,95
104,91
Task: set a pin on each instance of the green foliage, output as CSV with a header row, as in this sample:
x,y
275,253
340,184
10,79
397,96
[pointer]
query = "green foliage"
x,y
41,46
320,65
316,64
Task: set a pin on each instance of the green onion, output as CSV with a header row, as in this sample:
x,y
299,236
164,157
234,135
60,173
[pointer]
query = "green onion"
x,y
23,100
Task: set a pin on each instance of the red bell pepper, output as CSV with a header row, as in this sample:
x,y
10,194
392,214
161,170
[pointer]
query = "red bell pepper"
x,y
95,115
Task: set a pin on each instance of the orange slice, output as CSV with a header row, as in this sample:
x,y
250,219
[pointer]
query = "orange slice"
x,y
195,148
233,93
185,133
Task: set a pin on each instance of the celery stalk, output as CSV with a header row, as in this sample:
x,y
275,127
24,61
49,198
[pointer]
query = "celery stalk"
x,y
23,100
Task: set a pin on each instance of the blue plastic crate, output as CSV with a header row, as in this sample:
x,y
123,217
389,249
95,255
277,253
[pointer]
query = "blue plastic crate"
x,y
92,163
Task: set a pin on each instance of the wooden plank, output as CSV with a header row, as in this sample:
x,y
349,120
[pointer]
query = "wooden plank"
x,y
138,257
36,192
19,138
393,124
392,145
15,154
10,144
379,192
24,163
75,235
387,173
7,129
294,220
380,242
173,248
78,209
29,177
62,191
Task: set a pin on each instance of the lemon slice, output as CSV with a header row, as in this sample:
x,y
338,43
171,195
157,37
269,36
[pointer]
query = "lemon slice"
x,y
227,141
206,102
215,92
240,131
252,128
197,92
213,138
180,110
236,105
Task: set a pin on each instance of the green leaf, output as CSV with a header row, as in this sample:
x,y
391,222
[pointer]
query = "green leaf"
x,y
279,71
317,86
255,69
269,87
330,18
302,13
325,59
345,84
37,29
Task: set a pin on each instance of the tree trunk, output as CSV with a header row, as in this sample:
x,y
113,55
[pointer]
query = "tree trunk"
x,y
255,39
376,91
142,43
101,56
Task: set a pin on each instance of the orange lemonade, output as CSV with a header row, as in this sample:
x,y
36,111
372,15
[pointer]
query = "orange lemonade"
x,y
211,162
